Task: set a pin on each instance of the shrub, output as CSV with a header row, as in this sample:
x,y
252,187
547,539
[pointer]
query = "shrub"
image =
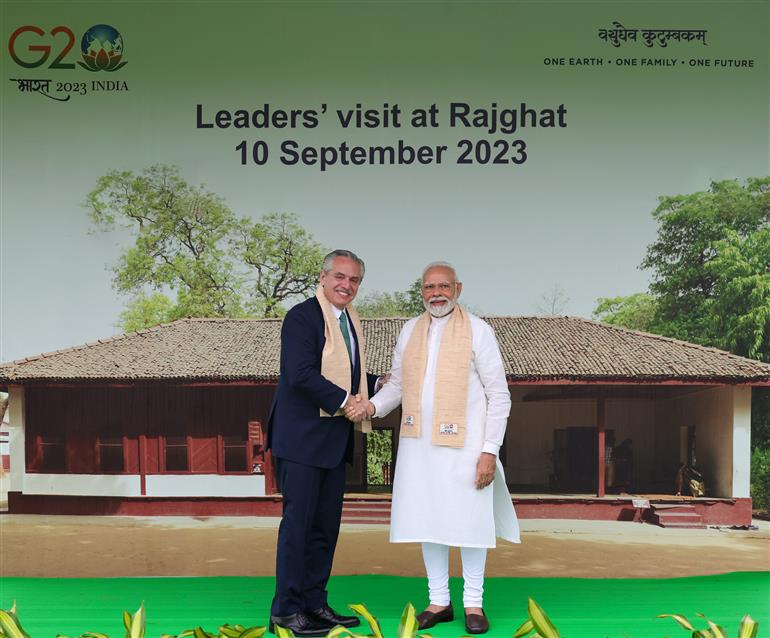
x,y
760,479
379,450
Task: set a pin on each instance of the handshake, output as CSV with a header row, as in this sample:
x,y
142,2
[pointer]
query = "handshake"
x,y
357,408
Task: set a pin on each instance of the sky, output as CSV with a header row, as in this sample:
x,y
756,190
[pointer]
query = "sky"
x,y
646,122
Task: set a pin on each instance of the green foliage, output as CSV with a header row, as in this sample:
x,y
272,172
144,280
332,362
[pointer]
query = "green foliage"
x,y
145,310
379,450
186,241
10,627
282,632
760,417
760,478
690,229
284,258
408,625
392,304
740,310
180,238
636,312
747,629
363,611
224,631
136,623
136,627
537,621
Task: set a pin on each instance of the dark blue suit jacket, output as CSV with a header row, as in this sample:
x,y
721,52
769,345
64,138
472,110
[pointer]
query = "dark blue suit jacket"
x,y
296,431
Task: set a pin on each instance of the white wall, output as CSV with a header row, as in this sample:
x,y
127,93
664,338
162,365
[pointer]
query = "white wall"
x,y
722,420
129,485
16,442
529,438
741,442
193,485
82,484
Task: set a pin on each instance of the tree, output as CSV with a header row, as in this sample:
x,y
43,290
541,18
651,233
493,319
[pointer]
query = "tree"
x,y
143,311
392,304
690,228
636,312
284,259
187,244
739,311
554,302
740,316
180,239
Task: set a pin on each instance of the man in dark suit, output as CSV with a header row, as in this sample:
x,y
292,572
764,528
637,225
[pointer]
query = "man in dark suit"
x,y
311,440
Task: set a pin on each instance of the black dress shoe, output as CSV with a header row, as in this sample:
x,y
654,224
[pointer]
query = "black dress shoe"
x,y
328,615
476,623
300,625
428,619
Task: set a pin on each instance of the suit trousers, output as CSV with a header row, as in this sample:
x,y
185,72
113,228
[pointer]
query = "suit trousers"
x,y
307,536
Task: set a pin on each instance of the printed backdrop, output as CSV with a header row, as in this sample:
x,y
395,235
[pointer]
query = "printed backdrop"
x,y
560,123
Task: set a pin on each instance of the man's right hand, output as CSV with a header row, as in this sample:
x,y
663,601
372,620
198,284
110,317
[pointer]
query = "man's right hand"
x,y
357,409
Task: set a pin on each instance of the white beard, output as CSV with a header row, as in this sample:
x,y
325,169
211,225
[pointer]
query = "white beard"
x,y
443,311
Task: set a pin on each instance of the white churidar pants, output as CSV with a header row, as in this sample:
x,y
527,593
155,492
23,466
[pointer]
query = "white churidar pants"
x,y
436,558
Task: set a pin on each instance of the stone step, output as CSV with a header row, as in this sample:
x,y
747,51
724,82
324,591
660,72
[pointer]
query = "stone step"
x,y
373,512
673,507
356,520
683,526
372,505
672,517
365,512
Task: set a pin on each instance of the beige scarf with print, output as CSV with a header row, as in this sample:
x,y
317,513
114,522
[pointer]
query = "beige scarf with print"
x,y
335,361
450,402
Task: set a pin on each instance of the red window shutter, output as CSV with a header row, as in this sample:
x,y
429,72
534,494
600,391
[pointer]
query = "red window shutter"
x,y
204,454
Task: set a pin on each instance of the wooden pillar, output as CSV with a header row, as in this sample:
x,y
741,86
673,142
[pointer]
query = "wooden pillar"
x,y
600,421
143,464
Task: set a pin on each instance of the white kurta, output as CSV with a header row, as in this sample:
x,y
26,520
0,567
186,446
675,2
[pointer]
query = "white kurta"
x,y
435,499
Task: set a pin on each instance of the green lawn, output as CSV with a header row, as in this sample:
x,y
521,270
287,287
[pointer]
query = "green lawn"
x,y
578,607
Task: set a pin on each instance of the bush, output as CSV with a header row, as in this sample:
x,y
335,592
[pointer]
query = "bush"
x,y
379,450
760,479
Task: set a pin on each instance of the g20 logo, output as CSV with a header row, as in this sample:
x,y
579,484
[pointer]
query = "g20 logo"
x,y
101,48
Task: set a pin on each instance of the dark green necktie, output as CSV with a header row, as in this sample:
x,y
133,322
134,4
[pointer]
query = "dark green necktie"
x,y
346,334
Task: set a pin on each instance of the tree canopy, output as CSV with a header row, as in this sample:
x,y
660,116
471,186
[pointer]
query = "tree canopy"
x,y
687,263
636,311
710,265
392,304
191,255
284,261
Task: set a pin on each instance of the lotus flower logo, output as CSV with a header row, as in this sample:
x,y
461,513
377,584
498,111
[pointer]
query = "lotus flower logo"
x,y
102,49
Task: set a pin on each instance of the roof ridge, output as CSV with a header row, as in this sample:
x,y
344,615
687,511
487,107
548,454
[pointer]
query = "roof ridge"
x,y
550,317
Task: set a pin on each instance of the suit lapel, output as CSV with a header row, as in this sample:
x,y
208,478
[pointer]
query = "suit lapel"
x,y
356,371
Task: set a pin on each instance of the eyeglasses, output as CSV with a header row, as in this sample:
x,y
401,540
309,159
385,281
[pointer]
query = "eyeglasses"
x,y
443,287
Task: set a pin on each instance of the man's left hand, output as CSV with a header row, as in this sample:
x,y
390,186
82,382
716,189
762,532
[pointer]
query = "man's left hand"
x,y
485,470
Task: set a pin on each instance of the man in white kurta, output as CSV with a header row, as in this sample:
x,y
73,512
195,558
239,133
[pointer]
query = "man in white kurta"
x,y
451,496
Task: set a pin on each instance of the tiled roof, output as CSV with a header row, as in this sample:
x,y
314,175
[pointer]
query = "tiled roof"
x,y
533,348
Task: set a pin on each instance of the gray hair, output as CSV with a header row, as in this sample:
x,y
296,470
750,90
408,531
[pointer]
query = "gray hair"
x,y
329,259
439,264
